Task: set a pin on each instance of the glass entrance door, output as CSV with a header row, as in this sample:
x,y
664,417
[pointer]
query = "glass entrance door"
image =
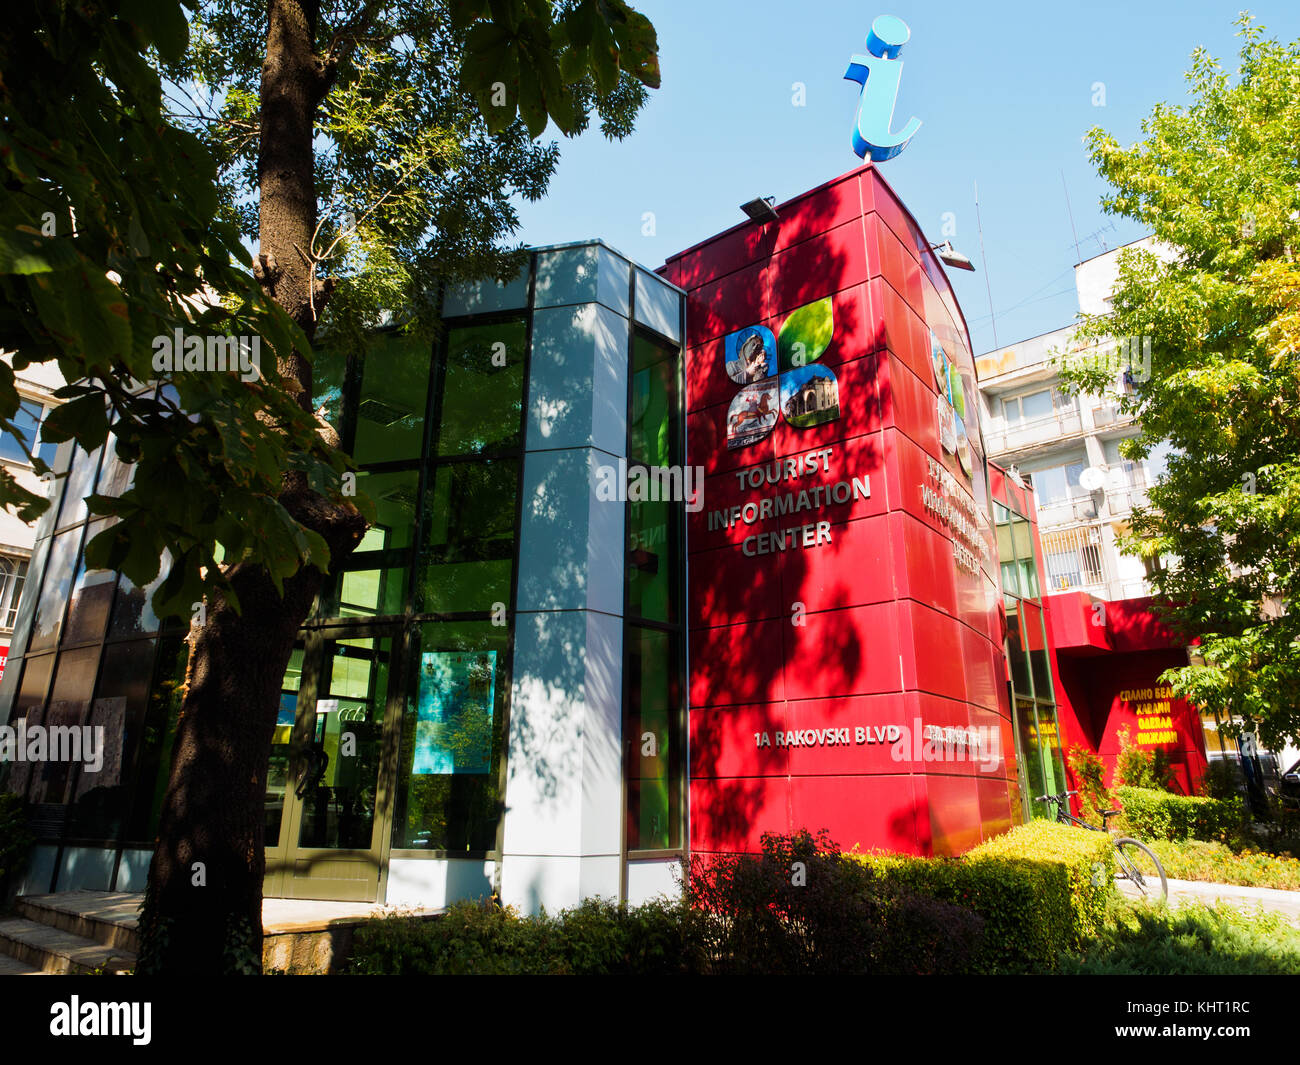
x,y
328,806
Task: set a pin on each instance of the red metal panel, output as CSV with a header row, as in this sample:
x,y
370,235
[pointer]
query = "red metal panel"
x,y
864,622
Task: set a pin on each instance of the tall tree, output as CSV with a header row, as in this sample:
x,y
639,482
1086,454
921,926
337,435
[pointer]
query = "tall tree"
x,y
371,151
1218,180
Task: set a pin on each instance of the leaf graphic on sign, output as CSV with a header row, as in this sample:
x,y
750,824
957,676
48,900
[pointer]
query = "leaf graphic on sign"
x,y
805,335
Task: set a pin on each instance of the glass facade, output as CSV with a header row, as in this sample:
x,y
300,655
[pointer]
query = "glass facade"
x,y
88,651
654,673
1029,666
393,733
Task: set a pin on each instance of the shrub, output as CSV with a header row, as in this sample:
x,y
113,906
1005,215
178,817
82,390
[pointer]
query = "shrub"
x,y
15,837
1041,889
803,907
1223,779
598,938
1192,941
1159,815
1142,769
1090,774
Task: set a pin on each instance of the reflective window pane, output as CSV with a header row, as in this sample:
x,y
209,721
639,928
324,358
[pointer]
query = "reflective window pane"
x,y
277,774
133,613
54,590
340,796
158,735
448,793
91,599
652,771
469,537
79,483
328,371
68,708
394,496
118,715
390,408
373,591
29,705
483,389
27,421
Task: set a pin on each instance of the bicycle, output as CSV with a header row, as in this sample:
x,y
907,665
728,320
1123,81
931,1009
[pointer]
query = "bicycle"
x,y
1134,860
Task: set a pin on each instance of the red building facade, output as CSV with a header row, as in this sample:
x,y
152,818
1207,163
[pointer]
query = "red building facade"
x,y
846,628
1109,657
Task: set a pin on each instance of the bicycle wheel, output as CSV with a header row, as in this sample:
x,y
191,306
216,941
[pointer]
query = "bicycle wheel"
x,y
1137,863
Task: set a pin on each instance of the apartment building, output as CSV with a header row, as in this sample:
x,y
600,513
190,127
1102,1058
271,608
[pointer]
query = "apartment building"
x,y
1069,447
36,386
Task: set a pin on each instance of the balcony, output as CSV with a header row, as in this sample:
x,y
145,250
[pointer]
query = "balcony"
x,y
1072,559
1126,488
1001,438
1107,415
1077,558
1070,511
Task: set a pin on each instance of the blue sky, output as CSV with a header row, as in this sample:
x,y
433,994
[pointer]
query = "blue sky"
x,y
1004,92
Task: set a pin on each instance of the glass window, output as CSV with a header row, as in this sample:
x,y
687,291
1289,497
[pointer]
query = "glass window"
x,y
448,794
133,615
79,484
69,706
651,728
328,374
27,422
1017,653
1032,756
277,774
483,389
390,408
352,699
1049,485
121,699
13,573
654,527
29,704
1022,533
91,600
1036,405
394,496
116,476
377,573
157,737
367,591
54,591
468,549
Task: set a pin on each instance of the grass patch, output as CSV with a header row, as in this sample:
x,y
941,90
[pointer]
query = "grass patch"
x,y
1188,941
1220,864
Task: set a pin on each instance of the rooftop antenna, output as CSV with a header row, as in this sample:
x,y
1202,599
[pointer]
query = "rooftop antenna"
x,y
1078,257
984,259
1096,235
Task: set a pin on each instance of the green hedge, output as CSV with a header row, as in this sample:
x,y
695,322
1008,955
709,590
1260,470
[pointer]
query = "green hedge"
x,y
596,938
1161,815
1041,888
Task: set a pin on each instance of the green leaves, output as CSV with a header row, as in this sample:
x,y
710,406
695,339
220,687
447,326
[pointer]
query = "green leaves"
x,y
805,335
1218,183
161,24
520,59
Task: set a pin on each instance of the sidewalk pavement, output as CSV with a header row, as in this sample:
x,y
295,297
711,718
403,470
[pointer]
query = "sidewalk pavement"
x,y
1193,891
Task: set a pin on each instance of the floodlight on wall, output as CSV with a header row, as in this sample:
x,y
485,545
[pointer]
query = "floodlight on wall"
x,y
761,208
952,257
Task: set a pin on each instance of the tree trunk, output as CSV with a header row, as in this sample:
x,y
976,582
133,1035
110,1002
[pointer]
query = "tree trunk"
x,y
203,904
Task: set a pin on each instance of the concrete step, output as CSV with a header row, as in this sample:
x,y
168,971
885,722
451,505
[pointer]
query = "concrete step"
x,y
107,917
13,967
53,950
